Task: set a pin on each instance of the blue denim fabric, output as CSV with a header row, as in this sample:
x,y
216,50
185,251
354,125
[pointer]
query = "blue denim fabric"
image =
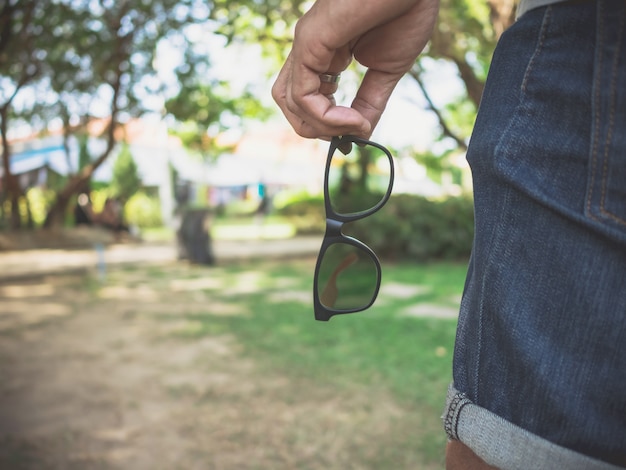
x,y
506,446
541,340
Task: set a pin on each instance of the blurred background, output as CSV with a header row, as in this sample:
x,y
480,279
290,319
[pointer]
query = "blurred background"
x,y
159,224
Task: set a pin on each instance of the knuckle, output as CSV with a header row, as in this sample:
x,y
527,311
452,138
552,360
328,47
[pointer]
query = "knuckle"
x,y
276,94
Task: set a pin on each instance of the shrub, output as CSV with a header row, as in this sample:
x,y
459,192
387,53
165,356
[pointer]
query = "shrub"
x,y
143,211
305,213
126,180
408,227
39,200
416,228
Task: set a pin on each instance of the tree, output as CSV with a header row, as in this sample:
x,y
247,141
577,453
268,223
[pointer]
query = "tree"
x,y
465,36
126,181
25,35
116,47
203,109
82,59
268,22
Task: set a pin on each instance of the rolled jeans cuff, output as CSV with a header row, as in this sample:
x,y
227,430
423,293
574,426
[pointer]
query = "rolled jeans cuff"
x,y
507,446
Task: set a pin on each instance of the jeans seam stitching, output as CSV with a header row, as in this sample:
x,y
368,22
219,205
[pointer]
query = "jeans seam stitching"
x,y
596,106
538,49
613,88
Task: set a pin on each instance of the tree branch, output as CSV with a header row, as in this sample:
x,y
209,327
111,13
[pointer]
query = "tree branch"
x,y
502,14
415,74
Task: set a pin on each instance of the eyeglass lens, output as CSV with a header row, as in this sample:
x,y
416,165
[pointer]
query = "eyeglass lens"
x,y
358,179
348,277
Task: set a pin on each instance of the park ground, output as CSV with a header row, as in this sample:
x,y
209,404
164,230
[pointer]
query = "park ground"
x,y
168,365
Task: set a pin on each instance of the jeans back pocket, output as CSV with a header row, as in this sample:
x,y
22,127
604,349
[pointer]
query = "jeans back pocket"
x,y
606,191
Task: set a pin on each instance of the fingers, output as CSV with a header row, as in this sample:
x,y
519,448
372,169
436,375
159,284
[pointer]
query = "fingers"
x,y
374,93
329,83
385,37
309,105
315,114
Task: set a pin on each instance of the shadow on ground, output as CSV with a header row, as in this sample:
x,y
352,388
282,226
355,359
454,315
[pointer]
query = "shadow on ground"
x,y
95,376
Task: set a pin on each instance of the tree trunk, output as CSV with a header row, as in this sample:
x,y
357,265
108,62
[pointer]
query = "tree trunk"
x,y
11,187
502,13
56,213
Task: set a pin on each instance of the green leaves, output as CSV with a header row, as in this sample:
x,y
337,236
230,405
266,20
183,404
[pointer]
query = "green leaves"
x,y
204,109
126,181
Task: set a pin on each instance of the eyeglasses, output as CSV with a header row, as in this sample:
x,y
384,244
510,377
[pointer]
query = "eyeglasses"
x,y
357,182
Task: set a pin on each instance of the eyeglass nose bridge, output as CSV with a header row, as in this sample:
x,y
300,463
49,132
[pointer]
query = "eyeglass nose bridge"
x,y
333,228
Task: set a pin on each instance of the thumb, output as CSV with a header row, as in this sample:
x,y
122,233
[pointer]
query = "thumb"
x,y
373,95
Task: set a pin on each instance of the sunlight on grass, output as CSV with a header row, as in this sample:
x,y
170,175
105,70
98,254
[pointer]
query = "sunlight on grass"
x,y
200,283
242,228
252,231
28,291
231,356
395,357
20,313
408,355
136,293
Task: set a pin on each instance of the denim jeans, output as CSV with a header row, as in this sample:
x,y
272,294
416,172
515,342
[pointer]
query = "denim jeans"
x,y
540,355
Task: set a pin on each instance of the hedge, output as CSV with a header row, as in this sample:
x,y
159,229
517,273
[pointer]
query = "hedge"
x,y
407,228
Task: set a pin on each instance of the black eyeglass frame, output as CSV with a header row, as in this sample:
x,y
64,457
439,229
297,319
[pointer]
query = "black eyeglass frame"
x,y
334,225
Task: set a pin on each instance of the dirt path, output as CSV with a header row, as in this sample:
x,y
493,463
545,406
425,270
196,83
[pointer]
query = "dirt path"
x,y
92,381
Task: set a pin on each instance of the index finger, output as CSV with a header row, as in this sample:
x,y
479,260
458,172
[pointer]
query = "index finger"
x,y
305,99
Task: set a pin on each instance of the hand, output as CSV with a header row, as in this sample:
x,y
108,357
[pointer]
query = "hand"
x,y
384,36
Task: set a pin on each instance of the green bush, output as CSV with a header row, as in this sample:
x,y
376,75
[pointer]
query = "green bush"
x,y
39,200
305,213
126,180
416,228
408,227
143,211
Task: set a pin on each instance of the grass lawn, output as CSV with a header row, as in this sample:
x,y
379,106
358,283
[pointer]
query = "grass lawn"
x,y
403,345
233,228
178,366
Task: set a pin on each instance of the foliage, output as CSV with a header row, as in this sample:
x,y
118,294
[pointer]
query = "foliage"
x,y
289,196
84,156
383,348
32,208
268,22
407,228
98,198
143,211
416,228
204,109
24,33
67,59
126,181
305,213
205,105
38,199
465,36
